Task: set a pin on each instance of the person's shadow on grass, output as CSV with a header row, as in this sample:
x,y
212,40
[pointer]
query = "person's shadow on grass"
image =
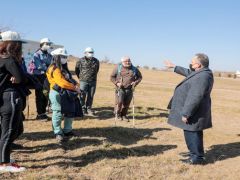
x,y
221,152
115,135
141,113
113,153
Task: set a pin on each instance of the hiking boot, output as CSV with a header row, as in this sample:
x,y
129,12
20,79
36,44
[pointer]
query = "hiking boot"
x,y
125,118
193,162
42,117
12,168
69,134
90,112
60,137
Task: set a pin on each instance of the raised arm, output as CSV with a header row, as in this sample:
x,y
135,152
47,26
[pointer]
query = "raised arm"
x,y
177,69
182,71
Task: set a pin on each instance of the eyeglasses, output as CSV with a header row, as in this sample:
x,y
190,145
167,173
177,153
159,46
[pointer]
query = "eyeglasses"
x,y
90,52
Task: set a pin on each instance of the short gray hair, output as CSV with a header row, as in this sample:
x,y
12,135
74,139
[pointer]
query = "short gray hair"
x,y
203,59
124,58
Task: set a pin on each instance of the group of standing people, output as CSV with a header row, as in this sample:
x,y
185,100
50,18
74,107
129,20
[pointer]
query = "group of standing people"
x,y
190,106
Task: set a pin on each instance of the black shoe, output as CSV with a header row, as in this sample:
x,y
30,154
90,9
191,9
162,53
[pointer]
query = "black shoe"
x,y
42,117
69,134
125,118
17,146
191,162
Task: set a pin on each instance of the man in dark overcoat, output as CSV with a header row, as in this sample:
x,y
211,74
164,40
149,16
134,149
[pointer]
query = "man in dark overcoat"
x,y
190,106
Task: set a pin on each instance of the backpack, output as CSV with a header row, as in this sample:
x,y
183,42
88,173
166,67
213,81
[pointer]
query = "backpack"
x,y
29,63
134,69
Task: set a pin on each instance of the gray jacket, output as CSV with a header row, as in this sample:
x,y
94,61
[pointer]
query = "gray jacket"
x,y
192,99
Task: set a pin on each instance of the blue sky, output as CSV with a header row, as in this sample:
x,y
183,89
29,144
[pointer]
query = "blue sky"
x,y
149,31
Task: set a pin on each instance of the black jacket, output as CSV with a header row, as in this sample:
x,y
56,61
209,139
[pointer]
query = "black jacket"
x,y
86,69
70,103
10,68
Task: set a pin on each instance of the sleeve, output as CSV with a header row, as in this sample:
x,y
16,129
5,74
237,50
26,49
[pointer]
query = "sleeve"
x,y
195,95
15,70
98,66
36,60
61,81
113,76
49,60
182,71
77,68
139,77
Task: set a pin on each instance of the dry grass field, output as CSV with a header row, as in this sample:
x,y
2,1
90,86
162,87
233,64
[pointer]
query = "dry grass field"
x,y
148,151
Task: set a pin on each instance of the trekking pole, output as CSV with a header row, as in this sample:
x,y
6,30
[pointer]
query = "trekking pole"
x,y
118,94
27,101
116,115
133,108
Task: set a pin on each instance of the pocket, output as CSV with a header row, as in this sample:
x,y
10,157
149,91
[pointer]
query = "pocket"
x,y
17,100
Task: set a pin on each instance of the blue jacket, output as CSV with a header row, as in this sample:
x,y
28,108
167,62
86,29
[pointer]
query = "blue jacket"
x,y
41,61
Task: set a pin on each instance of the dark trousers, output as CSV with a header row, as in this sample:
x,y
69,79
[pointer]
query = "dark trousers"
x,y
41,99
88,89
11,122
123,99
194,141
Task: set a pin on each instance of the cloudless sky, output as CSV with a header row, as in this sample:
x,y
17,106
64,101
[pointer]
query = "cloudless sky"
x,y
149,31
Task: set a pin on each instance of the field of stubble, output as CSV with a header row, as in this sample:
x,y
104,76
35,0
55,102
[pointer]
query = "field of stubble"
x,y
148,151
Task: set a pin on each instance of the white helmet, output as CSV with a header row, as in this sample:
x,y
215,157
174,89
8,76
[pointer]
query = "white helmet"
x,y
45,40
10,36
59,51
89,49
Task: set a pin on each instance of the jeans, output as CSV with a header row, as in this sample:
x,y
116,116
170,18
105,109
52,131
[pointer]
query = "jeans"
x,y
88,89
194,141
57,115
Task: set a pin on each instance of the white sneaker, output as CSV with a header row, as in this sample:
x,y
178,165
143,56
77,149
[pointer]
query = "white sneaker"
x,y
12,168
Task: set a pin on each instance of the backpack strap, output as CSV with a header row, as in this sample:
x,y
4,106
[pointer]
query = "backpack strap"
x,y
119,69
134,69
